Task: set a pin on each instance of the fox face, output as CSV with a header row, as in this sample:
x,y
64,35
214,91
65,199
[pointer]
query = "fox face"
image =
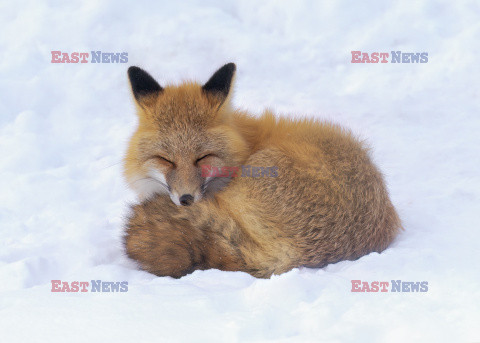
x,y
182,129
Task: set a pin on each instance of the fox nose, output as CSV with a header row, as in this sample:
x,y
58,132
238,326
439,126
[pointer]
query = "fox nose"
x,y
186,199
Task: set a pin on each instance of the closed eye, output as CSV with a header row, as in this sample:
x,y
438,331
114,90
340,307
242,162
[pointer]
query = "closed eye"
x,y
161,158
204,156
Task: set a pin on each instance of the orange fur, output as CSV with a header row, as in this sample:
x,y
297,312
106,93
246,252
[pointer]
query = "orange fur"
x,y
328,203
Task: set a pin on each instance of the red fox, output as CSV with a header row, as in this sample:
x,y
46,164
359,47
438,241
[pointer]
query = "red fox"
x,y
327,202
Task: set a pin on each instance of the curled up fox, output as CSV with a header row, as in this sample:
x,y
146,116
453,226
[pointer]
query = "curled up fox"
x,y
327,201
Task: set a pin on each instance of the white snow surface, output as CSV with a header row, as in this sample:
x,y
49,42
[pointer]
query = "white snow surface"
x,y
64,130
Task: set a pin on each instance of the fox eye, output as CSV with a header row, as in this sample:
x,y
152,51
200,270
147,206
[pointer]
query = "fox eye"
x,y
204,156
161,158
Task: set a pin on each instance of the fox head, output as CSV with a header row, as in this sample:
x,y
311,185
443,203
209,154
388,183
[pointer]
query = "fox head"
x,y
180,129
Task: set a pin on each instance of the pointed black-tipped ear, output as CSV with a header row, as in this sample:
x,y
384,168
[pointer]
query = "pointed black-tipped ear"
x,y
220,83
142,83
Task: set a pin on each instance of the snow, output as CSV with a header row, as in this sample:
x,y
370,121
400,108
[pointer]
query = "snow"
x,y
64,130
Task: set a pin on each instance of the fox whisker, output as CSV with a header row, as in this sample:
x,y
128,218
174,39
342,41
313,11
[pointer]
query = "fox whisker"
x,y
167,187
214,184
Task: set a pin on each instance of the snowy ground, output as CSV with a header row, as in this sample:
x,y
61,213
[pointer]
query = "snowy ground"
x,y
64,128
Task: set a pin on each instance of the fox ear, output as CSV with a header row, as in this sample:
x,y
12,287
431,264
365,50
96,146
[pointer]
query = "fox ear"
x,y
142,84
220,83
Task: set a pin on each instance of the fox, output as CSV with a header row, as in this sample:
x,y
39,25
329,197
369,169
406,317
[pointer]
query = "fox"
x,y
326,203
